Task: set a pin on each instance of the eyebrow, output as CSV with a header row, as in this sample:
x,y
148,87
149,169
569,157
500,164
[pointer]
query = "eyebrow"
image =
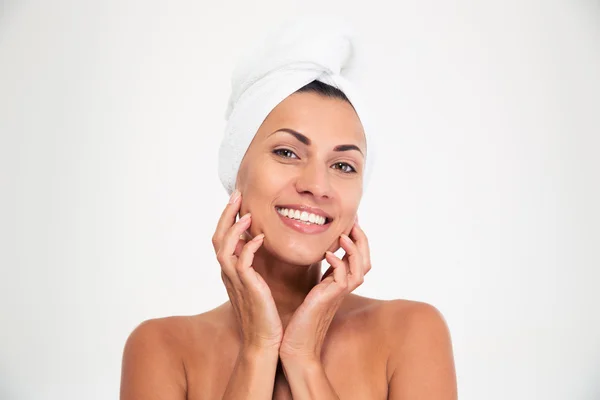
x,y
303,139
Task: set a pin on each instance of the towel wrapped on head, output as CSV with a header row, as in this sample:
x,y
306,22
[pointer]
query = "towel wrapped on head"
x,y
299,52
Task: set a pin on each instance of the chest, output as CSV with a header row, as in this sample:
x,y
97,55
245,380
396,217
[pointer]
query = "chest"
x,y
355,367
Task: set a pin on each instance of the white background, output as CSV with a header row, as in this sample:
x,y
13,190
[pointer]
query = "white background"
x,y
484,199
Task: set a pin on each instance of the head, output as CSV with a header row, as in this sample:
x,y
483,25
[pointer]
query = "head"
x,y
308,154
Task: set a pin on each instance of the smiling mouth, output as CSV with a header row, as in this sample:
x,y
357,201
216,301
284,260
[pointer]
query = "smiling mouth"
x,y
303,216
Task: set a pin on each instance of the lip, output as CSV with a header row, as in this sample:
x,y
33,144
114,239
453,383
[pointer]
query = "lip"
x,y
310,210
303,227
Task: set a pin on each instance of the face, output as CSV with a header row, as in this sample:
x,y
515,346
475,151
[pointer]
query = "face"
x,y
306,161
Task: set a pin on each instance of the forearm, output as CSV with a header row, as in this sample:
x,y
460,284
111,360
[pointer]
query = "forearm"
x,y
253,376
308,381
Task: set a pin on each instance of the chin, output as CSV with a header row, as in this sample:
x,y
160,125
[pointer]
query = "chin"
x,y
296,254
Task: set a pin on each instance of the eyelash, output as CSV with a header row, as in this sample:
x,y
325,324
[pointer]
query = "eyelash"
x,y
340,164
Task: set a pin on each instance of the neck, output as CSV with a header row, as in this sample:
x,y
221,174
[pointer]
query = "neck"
x,y
289,283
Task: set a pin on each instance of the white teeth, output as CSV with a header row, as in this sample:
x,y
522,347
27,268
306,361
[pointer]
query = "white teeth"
x,y
302,216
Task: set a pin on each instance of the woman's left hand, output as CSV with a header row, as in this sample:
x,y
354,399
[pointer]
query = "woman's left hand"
x,y
305,333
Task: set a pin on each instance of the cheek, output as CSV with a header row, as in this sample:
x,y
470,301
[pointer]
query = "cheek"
x,y
265,175
260,184
350,207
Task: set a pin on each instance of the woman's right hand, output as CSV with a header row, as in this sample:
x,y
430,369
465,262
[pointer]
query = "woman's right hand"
x,y
249,294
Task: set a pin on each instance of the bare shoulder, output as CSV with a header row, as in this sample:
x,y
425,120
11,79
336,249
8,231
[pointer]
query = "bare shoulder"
x,y
410,324
410,315
164,335
421,361
398,317
151,361
177,335
155,352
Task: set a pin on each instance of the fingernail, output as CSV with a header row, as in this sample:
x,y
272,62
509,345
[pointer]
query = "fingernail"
x,y
258,237
234,196
245,217
345,238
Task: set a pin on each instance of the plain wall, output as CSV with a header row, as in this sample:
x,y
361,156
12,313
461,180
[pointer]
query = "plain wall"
x,y
484,198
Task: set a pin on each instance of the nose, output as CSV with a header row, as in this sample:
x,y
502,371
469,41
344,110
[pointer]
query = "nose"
x,y
314,179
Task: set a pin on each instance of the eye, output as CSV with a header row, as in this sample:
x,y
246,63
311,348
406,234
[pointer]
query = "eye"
x,y
345,167
285,153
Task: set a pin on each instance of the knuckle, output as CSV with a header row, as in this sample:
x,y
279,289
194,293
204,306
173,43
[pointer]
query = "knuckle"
x,y
239,266
224,278
221,257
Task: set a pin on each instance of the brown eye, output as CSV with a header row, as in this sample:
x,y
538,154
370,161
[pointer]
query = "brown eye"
x,y
345,167
285,153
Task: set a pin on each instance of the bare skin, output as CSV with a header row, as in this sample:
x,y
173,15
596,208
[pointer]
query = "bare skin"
x,y
374,350
288,331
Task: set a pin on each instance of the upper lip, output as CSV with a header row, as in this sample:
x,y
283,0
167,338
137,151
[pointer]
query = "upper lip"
x,y
308,209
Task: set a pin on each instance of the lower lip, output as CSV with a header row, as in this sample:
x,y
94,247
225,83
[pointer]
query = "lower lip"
x,y
302,227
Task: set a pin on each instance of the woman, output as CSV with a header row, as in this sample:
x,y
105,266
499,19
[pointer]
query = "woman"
x,y
294,158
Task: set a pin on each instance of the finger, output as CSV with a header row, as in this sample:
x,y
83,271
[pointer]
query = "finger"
x,y
355,260
361,241
327,273
225,254
340,274
240,245
244,263
227,219
233,235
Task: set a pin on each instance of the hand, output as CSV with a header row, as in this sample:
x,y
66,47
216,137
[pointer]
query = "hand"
x,y
304,335
249,294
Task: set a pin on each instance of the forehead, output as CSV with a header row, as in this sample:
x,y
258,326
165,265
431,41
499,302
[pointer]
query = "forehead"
x,y
322,119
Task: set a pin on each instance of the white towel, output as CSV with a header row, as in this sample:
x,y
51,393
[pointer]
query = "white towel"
x,y
299,52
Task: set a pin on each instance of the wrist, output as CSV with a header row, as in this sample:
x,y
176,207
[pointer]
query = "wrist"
x,y
300,362
307,378
251,353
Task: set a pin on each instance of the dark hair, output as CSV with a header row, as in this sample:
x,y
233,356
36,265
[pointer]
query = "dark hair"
x,y
324,90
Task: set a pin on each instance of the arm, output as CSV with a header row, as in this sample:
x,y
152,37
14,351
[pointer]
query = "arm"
x,y
422,362
151,368
255,310
253,376
307,380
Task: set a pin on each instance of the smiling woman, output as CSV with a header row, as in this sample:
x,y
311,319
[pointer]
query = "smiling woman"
x,y
314,167
295,160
